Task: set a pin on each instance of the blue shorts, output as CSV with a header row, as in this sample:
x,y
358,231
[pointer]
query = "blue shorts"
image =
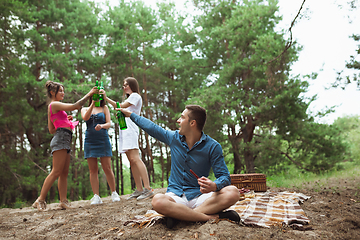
x,y
61,140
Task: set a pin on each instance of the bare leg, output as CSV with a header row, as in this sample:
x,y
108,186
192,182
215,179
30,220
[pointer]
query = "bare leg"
x,y
93,170
138,169
165,205
59,161
219,201
106,166
62,181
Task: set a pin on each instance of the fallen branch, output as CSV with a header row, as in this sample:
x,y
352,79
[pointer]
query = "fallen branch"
x,y
16,176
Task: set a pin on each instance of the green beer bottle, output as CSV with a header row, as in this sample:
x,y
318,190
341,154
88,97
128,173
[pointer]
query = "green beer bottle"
x,y
96,95
101,96
121,118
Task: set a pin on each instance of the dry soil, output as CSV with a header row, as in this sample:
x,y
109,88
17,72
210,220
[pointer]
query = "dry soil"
x,y
333,210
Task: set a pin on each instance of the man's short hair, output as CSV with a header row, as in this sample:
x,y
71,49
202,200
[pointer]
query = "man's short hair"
x,y
198,114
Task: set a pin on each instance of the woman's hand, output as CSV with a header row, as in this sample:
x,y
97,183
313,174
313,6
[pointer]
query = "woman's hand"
x,y
126,112
103,92
70,118
98,127
93,91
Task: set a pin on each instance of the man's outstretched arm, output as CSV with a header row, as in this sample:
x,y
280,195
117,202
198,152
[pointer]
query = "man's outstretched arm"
x,y
150,127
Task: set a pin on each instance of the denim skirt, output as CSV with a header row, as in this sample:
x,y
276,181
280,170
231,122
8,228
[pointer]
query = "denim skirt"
x,y
61,140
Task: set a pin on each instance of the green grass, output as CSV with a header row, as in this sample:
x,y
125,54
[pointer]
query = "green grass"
x,y
294,178
20,204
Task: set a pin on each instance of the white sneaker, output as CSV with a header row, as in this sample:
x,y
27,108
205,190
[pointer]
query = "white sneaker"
x,y
96,200
115,196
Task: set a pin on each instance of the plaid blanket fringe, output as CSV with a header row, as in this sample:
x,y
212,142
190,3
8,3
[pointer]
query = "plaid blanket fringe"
x,y
147,220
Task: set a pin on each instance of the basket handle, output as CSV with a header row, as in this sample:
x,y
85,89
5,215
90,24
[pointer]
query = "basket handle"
x,y
247,180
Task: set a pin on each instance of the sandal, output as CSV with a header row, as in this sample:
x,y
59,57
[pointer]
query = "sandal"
x,y
39,204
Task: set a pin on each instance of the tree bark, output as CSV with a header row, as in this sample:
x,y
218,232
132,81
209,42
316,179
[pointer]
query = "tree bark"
x,y
248,134
235,142
148,114
161,163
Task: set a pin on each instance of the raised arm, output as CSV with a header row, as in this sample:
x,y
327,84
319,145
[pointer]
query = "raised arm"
x,y
154,130
109,100
86,111
113,103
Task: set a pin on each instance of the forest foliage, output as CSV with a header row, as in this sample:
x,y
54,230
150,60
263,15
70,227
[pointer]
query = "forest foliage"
x,y
228,58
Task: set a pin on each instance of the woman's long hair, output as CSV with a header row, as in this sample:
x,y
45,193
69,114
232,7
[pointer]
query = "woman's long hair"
x,y
133,84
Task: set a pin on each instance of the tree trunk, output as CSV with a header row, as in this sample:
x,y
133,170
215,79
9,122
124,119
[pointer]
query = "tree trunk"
x,y
248,133
37,64
148,114
81,152
84,189
74,190
238,164
121,175
249,161
162,164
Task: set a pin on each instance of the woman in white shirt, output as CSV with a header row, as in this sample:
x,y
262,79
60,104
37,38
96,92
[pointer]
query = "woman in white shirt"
x,y
129,139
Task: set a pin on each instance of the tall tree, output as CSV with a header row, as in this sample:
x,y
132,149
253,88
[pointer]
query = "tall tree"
x,y
45,38
174,73
130,34
249,77
16,142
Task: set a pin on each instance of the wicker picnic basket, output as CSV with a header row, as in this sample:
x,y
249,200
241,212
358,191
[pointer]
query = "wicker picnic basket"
x,y
252,181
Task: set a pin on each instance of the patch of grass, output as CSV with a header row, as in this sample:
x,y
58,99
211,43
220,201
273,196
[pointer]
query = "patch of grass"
x,y
295,178
159,185
19,204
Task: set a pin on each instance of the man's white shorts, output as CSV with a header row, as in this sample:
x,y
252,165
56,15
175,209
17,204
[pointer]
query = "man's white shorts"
x,y
194,203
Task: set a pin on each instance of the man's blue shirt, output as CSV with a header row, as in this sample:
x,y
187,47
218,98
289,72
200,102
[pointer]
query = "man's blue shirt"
x,y
204,155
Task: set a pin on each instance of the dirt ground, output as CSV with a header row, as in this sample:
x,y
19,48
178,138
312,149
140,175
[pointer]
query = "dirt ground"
x,y
333,210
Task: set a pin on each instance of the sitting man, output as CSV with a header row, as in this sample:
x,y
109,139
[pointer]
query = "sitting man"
x,y
188,197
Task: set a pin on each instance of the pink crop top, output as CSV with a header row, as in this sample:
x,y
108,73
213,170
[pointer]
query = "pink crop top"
x,y
60,120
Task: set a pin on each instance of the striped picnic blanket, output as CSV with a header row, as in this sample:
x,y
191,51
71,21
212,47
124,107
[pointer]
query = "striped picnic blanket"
x,y
263,210
272,209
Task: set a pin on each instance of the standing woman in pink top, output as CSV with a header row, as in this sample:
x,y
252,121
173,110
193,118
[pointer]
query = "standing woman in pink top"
x,y
61,125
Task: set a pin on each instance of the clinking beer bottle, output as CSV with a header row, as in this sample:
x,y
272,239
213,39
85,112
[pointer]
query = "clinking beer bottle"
x,y
121,118
101,96
96,95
